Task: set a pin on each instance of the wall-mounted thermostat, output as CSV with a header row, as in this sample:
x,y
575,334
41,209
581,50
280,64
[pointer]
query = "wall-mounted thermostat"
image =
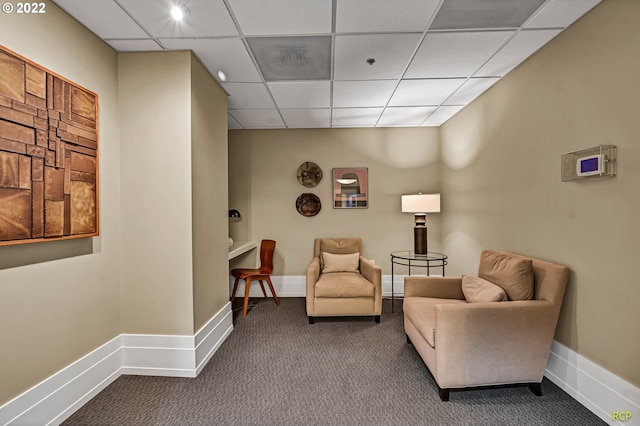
x,y
596,162
591,165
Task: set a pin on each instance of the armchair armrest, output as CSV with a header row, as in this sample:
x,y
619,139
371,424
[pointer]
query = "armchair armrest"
x,y
439,287
313,273
373,273
493,343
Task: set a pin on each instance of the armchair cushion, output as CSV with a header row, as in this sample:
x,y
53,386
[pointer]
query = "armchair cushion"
x,y
343,284
513,274
340,262
478,290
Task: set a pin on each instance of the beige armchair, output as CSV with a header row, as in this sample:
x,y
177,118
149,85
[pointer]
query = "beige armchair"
x,y
342,282
486,343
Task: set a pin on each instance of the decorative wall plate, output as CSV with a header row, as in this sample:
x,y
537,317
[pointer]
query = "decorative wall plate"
x,y
308,204
309,174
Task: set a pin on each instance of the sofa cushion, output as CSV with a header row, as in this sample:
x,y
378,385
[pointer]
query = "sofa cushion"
x,y
343,284
514,274
422,313
478,290
340,262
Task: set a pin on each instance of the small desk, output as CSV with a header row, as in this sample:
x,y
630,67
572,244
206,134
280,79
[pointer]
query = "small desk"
x,y
240,247
411,259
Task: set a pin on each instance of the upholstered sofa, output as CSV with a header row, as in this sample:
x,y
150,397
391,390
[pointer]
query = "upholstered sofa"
x,y
341,281
471,332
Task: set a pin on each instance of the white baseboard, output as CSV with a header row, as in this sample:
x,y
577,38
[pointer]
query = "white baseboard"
x,y
295,286
601,391
175,356
53,400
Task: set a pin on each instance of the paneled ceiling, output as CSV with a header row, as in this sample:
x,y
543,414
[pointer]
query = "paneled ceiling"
x,y
339,63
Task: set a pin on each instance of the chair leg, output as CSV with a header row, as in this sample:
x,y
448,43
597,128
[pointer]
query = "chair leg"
x,y
408,339
536,388
377,318
273,292
245,307
235,287
311,320
444,394
262,287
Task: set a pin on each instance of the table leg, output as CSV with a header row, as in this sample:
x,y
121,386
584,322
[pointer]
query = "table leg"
x,y
392,277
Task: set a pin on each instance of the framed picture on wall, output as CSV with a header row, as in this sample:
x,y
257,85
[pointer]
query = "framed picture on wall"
x,y
350,188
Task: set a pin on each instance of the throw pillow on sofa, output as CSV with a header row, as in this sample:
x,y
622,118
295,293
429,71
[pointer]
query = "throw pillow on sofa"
x,y
513,274
478,290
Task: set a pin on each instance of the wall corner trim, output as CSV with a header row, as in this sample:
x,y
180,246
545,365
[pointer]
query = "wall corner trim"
x,y
56,398
599,390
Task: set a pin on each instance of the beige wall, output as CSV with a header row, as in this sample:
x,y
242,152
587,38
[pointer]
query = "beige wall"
x,y
155,129
501,178
209,181
264,187
60,300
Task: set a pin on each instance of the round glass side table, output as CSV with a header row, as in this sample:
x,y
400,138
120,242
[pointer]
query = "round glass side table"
x,y
412,259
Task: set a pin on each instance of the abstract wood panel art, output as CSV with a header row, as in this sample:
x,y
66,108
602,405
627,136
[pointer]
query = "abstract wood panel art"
x,y
48,154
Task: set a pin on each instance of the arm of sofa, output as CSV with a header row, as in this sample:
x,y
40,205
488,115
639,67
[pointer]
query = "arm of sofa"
x,y
493,343
313,273
373,273
439,287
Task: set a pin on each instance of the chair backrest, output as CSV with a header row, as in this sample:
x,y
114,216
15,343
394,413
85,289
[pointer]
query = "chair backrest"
x,y
549,280
267,247
337,246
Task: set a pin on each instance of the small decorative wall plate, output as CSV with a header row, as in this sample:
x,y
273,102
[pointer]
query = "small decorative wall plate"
x,y
308,204
309,174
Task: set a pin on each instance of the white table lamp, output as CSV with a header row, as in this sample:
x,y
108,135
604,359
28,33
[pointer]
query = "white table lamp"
x,y
420,205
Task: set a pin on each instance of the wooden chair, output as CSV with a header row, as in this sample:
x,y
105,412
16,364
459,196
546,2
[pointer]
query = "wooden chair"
x,y
267,247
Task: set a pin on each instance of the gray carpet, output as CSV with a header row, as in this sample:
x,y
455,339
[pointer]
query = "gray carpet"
x,y
276,369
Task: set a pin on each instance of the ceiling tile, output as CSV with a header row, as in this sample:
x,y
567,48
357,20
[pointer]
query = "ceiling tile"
x,y
228,55
519,48
205,18
362,93
469,14
248,96
355,117
404,116
104,17
258,118
391,52
384,15
561,13
134,45
306,118
455,54
425,92
301,94
441,115
272,17
470,90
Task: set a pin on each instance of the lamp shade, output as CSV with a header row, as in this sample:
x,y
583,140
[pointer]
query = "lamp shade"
x,y
421,203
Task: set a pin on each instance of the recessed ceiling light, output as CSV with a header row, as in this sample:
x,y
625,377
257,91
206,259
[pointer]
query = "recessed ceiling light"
x,y
178,12
222,76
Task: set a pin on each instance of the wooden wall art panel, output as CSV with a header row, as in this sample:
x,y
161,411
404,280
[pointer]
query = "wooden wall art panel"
x,y
48,154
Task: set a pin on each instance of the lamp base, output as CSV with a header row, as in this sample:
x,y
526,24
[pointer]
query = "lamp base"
x,y
420,240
